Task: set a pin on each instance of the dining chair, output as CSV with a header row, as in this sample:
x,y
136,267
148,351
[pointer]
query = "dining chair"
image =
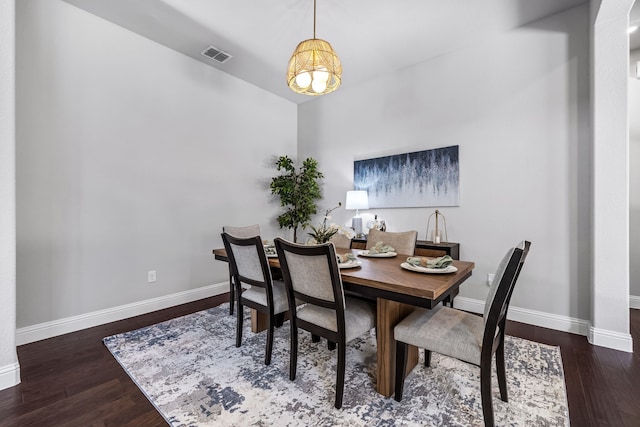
x,y
465,336
403,242
311,275
341,241
248,231
248,264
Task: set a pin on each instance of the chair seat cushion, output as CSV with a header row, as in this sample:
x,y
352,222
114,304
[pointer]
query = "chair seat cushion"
x,y
359,317
259,295
444,330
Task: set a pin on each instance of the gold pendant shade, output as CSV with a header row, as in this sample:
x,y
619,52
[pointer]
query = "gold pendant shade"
x,y
314,68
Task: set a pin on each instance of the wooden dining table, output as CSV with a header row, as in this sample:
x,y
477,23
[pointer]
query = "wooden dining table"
x,y
397,292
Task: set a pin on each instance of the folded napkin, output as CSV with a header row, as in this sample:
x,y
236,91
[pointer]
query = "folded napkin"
x,y
270,250
442,262
345,257
381,248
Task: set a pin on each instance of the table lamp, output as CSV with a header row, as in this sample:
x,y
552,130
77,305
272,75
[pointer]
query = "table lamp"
x,y
357,200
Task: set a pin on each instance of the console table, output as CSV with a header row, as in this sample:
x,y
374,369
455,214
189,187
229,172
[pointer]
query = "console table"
x,y
423,248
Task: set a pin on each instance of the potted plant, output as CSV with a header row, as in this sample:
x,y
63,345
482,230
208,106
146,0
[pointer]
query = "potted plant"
x,y
298,191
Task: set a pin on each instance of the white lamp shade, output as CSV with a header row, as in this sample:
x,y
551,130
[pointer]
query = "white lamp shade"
x,y
357,199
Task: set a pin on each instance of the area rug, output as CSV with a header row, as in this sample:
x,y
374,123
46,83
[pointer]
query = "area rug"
x,y
191,371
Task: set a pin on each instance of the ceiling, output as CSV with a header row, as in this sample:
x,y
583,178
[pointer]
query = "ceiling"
x,y
371,37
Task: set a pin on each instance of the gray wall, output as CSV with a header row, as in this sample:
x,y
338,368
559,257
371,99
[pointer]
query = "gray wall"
x,y
517,104
634,177
130,157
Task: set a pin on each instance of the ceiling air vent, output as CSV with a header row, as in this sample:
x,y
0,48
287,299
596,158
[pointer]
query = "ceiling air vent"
x,y
216,54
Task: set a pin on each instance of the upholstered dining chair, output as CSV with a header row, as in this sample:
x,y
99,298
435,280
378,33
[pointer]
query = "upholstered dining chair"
x,y
248,231
341,241
465,336
248,263
311,275
403,242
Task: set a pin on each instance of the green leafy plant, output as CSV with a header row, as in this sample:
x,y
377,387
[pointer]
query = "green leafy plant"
x,y
324,232
298,191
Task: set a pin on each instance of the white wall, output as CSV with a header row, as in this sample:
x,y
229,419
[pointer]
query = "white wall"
x,y
634,178
518,106
130,157
9,368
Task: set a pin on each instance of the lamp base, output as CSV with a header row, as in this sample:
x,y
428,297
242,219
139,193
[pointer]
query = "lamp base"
x,y
356,224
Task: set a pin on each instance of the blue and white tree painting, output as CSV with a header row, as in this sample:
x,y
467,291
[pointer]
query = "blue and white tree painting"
x,y
418,179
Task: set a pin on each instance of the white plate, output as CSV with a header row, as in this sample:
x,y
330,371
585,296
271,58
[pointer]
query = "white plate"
x,y
349,264
382,255
407,266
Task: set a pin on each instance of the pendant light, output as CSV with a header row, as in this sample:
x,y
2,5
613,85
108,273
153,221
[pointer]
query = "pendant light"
x,y
314,67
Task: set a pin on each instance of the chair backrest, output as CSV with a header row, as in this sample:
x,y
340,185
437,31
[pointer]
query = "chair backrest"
x,y
404,242
248,263
341,241
497,303
248,231
311,275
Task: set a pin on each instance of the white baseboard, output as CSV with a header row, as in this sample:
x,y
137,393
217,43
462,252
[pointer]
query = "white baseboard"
x,y
54,328
634,302
611,339
531,317
9,375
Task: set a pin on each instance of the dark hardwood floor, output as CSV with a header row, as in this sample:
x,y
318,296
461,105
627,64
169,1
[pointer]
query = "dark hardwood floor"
x,y
72,380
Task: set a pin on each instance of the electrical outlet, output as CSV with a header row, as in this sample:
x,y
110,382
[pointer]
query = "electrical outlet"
x,y
490,278
151,276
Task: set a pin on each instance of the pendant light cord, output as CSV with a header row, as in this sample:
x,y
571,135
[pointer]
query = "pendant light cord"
x,y
314,19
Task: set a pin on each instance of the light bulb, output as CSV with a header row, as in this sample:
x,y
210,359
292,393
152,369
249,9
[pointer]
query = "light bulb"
x,y
321,74
303,80
318,85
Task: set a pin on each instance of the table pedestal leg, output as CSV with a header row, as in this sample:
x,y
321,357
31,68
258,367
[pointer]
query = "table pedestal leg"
x,y
390,313
258,321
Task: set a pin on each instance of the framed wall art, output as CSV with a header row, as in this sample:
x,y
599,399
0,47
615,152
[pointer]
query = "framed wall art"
x,y
419,179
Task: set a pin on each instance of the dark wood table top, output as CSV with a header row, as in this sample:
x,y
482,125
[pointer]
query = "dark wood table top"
x,y
384,278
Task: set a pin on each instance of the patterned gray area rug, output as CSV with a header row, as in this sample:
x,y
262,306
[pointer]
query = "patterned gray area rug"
x,y
190,369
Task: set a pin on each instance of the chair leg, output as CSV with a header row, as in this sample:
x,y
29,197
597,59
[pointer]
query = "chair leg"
x,y
293,357
239,324
270,329
280,319
331,345
340,377
315,338
401,367
231,294
427,358
485,391
502,376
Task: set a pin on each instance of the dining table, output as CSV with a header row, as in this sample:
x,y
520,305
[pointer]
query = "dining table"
x,y
397,291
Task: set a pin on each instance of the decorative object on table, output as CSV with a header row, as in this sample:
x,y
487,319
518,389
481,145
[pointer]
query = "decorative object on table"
x,y
417,179
357,200
345,257
380,248
438,234
191,371
324,232
428,270
298,191
440,262
314,67
270,250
